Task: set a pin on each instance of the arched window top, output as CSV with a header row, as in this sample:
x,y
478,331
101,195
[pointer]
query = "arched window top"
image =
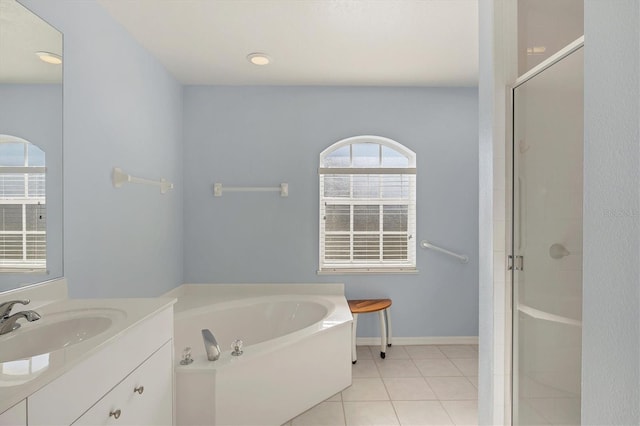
x,y
15,151
12,139
367,152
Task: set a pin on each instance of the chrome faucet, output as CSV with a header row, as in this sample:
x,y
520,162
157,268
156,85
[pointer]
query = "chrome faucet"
x,y
210,345
5,308
8,322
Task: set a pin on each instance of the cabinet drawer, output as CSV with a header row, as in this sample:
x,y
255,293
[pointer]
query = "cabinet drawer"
x,y
145,397
15,416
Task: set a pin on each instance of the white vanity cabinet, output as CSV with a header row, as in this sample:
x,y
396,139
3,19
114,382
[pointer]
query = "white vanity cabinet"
x,y
112,378
15,416
143,398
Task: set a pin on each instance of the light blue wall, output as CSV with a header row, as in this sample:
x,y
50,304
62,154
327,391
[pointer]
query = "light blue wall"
x,y
611,293
261,136
34,112
121,109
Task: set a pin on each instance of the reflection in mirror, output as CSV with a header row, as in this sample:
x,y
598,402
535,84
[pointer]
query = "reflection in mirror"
x,y
30,130
545,27
23,232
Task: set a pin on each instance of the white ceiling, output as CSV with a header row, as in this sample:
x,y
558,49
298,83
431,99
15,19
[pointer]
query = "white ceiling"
x,y
21,35
311,42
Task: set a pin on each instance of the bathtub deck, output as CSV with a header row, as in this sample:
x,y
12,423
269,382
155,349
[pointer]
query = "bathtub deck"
x,y
193,296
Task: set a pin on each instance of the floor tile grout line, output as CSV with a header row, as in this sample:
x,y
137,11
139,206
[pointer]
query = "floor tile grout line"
x,y
393,407
448,414
461,372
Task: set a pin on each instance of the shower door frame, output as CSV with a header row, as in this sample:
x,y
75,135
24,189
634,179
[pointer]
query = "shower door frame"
x,y
511,409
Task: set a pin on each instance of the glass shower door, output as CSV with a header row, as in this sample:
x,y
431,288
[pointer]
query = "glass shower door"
x,y
547,244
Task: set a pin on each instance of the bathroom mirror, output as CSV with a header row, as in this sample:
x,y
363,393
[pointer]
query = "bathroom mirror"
x,y
31,207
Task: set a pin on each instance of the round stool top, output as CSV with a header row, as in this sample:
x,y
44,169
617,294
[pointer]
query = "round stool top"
x,y
364,306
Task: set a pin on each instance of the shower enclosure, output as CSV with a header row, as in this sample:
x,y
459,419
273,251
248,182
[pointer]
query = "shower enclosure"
x,y
546,257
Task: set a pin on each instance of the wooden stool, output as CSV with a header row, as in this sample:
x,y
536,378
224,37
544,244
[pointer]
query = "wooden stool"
x,y
366,306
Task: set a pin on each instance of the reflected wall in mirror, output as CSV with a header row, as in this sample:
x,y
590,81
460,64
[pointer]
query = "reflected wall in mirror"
x,y
31,241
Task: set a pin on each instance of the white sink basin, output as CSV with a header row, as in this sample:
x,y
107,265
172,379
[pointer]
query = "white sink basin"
x,y
55,331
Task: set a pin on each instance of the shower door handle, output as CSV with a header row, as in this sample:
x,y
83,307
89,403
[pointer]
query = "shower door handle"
x,y
515,263
518,264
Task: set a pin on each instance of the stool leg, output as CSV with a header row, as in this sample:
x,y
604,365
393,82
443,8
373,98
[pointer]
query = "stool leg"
x,y
354,327
388,315
383,335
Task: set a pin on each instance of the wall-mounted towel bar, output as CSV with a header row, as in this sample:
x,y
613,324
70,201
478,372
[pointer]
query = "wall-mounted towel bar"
x,y
120,178
426,244
283,189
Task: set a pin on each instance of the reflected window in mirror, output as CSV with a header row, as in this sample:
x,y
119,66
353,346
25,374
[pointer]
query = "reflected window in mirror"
x,y
23,230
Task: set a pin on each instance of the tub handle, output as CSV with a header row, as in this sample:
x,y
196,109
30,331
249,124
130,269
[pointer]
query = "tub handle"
x,y
237,347
186,356
210,345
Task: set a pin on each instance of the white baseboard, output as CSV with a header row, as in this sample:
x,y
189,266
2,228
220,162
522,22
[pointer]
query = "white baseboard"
x,y
437,340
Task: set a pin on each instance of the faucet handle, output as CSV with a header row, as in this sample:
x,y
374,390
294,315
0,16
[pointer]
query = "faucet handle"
x,y
186,356
237,347
5,308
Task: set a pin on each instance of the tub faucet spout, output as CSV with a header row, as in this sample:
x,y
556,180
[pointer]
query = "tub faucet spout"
x,y
210,345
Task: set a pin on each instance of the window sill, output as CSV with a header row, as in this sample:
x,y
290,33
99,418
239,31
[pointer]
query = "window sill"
x,y
26,270
368,271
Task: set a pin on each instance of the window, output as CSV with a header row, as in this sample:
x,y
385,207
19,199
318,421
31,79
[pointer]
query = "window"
x,y
367,206
23,231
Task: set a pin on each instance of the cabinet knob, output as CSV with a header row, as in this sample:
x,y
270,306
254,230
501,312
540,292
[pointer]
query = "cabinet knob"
x,y
115,414
139,389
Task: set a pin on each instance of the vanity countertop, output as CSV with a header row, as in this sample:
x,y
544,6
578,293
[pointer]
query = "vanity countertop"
x,y
22,377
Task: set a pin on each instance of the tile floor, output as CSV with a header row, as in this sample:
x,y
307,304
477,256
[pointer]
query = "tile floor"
x,y
414,385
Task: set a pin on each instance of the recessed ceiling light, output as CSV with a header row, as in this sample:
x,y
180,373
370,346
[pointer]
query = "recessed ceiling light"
x,y
258,59
50,58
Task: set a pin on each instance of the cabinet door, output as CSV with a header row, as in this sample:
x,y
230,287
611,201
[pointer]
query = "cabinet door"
x,y
15,416
145,397
152,405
